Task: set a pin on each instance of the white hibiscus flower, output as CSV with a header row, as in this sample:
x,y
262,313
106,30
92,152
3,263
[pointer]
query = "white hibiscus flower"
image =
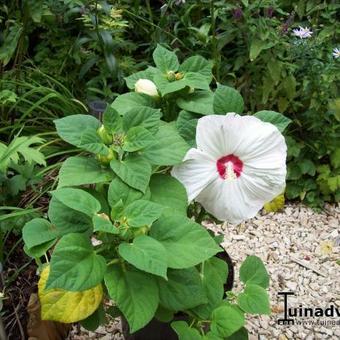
x,y
238,166
336,53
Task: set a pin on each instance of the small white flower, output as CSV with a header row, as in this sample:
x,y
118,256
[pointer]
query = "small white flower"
x,y
302,33
238,166
336,53
146,86
179,2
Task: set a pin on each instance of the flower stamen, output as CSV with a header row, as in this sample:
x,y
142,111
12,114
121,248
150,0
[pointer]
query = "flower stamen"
x,y
229,167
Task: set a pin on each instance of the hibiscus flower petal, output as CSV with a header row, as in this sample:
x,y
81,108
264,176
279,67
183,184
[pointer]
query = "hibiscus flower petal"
x,y
227,201
196,172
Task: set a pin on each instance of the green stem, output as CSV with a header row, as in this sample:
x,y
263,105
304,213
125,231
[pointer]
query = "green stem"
x,y
215,54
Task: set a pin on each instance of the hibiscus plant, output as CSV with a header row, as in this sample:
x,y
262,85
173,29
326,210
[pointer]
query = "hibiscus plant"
x,y
119,227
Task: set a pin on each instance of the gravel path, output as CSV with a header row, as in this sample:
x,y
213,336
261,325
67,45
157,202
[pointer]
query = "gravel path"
x,y
301,250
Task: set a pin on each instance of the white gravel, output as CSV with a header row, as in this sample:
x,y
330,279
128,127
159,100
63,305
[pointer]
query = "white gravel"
x,y
300,248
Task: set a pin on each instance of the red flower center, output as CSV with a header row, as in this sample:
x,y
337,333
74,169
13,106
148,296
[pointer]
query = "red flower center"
x,y
229,167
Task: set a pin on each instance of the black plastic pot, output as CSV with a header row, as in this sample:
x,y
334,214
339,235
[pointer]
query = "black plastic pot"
x,y
157,330
97,107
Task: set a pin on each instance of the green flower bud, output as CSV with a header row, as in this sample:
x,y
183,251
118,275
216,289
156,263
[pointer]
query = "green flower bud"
x,y
171,76
104,135
179,75
105,160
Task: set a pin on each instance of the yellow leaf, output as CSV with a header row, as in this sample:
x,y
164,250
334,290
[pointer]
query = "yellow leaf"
x,y
66,306
276,204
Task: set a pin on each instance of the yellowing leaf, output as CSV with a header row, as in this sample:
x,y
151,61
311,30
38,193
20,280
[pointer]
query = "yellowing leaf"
x,y
276,204
65,306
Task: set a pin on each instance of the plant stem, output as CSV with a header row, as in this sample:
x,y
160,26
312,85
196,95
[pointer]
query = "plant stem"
x,y
215,54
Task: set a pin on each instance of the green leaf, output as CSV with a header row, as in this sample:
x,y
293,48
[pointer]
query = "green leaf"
x,y
128,101
214,276
67,220
169,192
166,87
186,242
196,80
226,320
112,120
103,223
141,212
165,60
275,118
169,149
227,99
135,293
186,125
78,200
10,42
23,146
199,102
90,169
118,190
145,253
93,321
183,289
74,265
164,315
307,167
145,117
38,232
184,332
91,142
133,78
71,128
197,64
254,300
241,334
138,138
134,171
256,47
253,271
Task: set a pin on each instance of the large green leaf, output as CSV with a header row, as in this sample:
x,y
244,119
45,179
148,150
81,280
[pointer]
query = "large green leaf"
x,y
112,120
186,242
67,220
38,234
169,192
71,128
186,125
197,64
165,86
145,117
275,118
165,60
145,253
74,265
138,138
91,142
141,212
135,293
78,200
254,300
131,100
253,271
170,148
196,81
90,169
185,332
214,276
199,102
118,190
226,320
183,289
227,99
134,171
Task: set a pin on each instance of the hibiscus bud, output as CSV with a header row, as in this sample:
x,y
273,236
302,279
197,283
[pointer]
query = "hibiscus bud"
x,y
171,76
179,76
105,160
104,135
146,86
